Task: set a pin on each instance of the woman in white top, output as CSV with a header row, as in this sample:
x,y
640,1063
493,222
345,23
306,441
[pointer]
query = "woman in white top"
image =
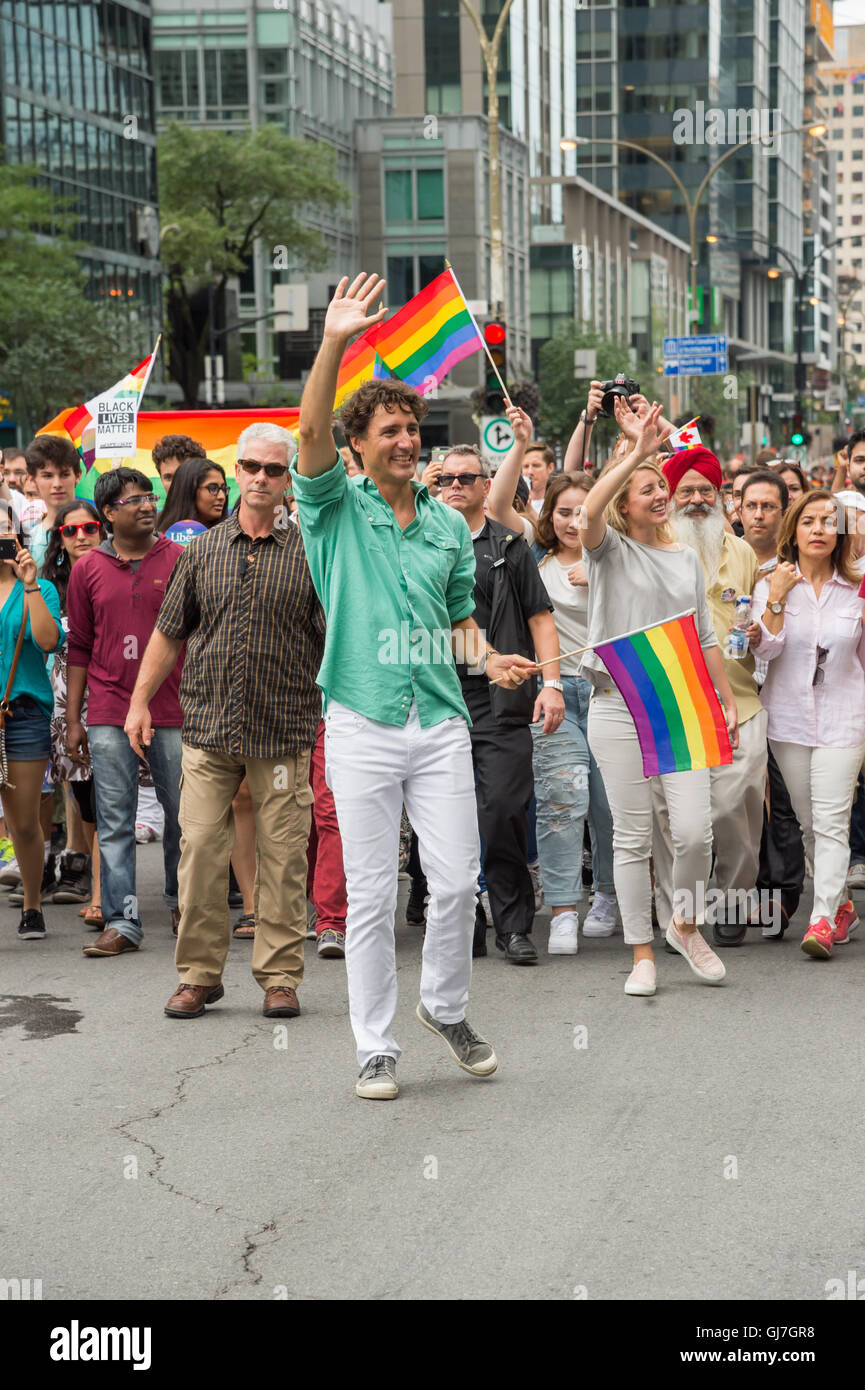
x,y
568,784
638,576
809,628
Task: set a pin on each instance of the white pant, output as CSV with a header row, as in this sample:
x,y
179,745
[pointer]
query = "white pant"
x,y
821,783
738,792
373,768
613,740
149,811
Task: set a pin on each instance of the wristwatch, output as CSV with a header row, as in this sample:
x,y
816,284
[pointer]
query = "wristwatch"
x,y
776,607
584,419
554,685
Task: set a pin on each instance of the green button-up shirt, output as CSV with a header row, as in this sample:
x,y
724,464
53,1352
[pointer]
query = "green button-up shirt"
x,y
390,596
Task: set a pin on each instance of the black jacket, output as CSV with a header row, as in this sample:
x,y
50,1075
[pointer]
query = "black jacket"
x,y
509,628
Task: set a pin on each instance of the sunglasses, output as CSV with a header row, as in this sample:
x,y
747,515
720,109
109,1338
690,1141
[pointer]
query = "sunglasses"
x,y
215,488
86,528
464,479
819,673
137,500
252,466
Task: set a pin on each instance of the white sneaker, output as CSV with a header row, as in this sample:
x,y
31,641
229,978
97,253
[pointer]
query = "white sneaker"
x,y
10,874
535,871
641,979
485,904
601,918
144,834
564,935
855,878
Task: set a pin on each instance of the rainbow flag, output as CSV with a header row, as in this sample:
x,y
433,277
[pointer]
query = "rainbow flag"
x,y
426,338
217,431
104,427
360,363
662,677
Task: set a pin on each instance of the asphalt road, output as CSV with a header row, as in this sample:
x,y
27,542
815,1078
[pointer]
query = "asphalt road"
x,y
706,1143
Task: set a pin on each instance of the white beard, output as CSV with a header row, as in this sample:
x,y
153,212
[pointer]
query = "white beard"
x,y
705,535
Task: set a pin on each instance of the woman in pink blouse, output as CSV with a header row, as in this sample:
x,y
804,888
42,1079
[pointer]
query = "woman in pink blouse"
x,y
809,629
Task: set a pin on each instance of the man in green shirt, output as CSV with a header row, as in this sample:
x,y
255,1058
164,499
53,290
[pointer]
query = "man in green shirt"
x,y
394,570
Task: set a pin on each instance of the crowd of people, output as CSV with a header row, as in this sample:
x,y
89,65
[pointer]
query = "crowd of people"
x,y
365,667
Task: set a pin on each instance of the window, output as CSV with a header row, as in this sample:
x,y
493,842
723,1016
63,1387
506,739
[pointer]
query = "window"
x,y
233,76
400,278
858,132
856,154
430,195
859,110
169,78
429,267
838,89
398,199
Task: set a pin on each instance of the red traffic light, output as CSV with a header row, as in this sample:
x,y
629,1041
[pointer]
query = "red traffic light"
x,y
494,333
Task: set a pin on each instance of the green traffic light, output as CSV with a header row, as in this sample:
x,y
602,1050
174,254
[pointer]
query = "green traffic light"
x,y
797,438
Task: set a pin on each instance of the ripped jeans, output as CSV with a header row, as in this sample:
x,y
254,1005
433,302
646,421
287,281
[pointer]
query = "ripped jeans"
x,y
568,788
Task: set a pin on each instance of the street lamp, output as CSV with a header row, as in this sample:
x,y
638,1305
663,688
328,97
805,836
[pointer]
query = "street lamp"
x,y
692,205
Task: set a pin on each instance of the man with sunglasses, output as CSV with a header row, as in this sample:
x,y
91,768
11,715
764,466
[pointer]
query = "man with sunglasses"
x,y
114,595
513,607
242,598
395,571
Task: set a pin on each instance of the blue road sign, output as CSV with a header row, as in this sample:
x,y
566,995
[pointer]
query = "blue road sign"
x,y
703,355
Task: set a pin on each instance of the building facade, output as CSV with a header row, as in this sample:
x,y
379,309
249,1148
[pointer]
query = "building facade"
x,y
845,78
76,100
312,67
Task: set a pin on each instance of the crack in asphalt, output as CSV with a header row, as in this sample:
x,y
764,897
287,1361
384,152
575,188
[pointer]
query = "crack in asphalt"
x,y
184,1074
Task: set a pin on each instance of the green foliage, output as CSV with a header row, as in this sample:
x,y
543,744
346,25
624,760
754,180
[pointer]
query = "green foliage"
x,y
57,348
563,396
218,194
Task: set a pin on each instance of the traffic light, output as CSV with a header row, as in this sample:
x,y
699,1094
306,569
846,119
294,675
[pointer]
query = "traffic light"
x,y
496,338
797,431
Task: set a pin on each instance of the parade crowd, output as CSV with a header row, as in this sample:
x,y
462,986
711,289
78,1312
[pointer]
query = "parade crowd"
x,y
369,667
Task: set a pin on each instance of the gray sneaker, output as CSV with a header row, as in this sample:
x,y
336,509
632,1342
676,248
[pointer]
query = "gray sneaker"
x,y
467,1049
377,1080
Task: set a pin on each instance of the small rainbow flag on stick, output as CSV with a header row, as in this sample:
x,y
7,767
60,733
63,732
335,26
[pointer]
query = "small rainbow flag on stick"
x,y
429,335
662,677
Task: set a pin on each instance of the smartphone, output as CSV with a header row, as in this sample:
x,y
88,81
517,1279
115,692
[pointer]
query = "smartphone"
x,y
8,547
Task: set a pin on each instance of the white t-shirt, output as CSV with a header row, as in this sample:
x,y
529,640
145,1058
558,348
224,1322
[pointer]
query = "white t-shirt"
x,y
537,503
570,610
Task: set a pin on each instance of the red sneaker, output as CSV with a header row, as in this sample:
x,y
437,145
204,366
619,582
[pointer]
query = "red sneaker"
x,y
818,939
846,921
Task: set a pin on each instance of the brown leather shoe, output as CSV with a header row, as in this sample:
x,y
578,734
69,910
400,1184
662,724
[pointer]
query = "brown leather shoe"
x,y
280,1001
175,919
110,943
188,1001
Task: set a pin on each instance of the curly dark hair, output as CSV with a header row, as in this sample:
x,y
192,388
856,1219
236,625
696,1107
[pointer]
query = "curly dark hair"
x,y
555,487
176,446
57,566
52,451
356,412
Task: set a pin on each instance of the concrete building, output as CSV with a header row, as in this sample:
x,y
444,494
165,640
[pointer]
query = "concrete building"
x,y
76,100
314,68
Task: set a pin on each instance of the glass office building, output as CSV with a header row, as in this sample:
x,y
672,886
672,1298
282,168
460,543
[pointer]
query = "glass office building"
x,y
76,99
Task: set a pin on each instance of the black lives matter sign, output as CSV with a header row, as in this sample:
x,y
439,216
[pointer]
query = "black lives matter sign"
x,y
114,422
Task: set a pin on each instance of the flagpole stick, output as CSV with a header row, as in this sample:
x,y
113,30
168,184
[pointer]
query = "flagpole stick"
x,y
578,651
484,342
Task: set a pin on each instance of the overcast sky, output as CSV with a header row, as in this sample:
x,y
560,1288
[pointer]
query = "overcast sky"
x,y
849,12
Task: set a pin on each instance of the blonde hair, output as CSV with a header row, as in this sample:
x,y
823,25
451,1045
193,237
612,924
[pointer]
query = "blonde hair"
x,y
613,512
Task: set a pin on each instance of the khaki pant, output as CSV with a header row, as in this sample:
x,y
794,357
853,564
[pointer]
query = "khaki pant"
x,y
281,798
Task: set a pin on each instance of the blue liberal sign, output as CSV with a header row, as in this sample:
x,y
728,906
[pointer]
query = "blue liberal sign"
x,y
704,354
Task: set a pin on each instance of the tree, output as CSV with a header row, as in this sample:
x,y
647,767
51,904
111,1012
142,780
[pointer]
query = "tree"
x,y
218,194
57,348
563,396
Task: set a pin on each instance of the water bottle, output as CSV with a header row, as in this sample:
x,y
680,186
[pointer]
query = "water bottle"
x,y
737,641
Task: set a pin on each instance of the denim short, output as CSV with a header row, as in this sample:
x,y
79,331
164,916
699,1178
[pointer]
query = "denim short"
x,y
28,732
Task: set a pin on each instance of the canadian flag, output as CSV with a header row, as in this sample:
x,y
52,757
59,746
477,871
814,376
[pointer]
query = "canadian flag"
x,y
688,437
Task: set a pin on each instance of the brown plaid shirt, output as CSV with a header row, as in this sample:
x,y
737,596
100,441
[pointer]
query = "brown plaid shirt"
x,y
254,632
